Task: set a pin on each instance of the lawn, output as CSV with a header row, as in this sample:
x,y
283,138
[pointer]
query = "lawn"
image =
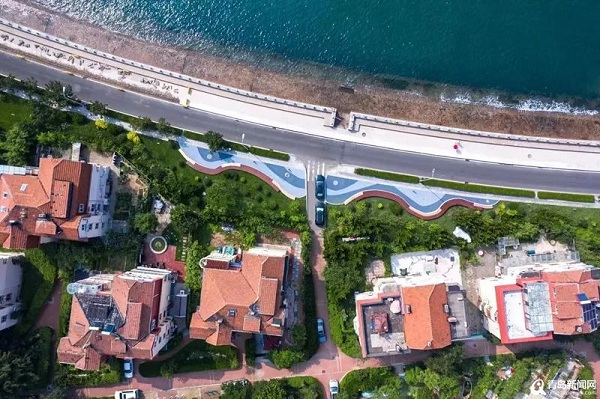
x,y
12,111
195,356
109,373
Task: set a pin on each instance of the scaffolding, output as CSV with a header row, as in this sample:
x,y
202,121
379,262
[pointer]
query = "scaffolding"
x,y
538,312
505,242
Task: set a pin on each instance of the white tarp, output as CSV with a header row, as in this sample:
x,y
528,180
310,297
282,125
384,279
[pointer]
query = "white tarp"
x,y
460,233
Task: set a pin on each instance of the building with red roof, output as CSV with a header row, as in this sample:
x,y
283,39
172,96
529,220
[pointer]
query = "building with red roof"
x,y
122,315
65,200
541,301
241,293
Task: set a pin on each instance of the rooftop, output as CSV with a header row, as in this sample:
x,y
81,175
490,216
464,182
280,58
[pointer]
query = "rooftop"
x,y
441,265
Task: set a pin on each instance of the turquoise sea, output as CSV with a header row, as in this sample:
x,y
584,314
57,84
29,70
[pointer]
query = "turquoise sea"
x,y
549,48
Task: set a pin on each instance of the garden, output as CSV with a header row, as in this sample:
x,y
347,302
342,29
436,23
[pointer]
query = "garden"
x,y
391,230
195,356
284,388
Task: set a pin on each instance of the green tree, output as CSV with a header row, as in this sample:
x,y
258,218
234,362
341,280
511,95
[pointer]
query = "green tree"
x,y
53,139
285,359
222,202
272,389
215,141
448,361
16,146
58,94
193,271
235,390
446,386
163,126
30,85
9,82
56,393
168,369
141,123
145,222
185,219
98,108
299,336
16,374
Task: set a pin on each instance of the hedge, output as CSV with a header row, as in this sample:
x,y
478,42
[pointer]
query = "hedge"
x,y
195,356
567,197
65,310
39,276
387,175
477,188
44,348
474,188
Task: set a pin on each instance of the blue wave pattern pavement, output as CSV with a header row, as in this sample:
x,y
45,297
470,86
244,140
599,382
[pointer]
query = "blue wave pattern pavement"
x,y
289,176
421,198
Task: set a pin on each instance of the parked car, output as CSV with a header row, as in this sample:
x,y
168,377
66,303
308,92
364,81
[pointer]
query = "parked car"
x,y
334,388
128,368
320,187
128,394
320,214
321,331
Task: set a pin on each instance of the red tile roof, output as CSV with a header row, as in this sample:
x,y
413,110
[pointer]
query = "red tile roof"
x,y
57,191
234,291
427,326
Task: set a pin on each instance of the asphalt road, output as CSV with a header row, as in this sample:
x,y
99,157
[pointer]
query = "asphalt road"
x,y
306,146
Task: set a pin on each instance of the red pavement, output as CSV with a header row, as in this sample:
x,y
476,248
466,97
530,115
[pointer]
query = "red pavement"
x,y
168,258
51,311
329,362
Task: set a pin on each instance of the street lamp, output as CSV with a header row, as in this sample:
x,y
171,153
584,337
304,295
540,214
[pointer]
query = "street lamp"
x,y
243,137
422,179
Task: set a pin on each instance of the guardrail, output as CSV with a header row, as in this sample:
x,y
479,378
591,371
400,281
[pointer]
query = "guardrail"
x,y
354,126
166,73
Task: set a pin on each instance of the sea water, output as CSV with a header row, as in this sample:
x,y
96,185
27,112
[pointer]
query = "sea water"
x,y
549,48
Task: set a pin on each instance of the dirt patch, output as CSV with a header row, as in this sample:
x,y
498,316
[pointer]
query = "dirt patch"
x,y
375,270
316,85
486,267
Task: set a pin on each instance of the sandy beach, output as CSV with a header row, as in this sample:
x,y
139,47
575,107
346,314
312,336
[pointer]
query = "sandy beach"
x,y
321,88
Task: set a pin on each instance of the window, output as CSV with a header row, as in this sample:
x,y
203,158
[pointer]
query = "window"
x,y
96,226
81,208
102,224
231,312
93,207
83,227
3,209
3,320
8,296
5,195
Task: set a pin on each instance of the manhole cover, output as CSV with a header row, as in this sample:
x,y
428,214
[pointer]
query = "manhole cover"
x,y
335,182
209,156
287,175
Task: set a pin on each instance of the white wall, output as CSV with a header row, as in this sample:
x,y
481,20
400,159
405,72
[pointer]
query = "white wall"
x,y
98,186
10,287
163,336
94,226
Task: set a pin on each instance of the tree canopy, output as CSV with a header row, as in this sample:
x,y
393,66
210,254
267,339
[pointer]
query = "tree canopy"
x,y
215,141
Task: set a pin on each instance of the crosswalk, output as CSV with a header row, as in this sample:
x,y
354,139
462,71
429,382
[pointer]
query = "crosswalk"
x,y
314,168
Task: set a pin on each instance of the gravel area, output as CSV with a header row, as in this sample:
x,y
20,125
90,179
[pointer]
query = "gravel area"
x,y
485,268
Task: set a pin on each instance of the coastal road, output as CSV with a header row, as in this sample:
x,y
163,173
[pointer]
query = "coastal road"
x,y
309,147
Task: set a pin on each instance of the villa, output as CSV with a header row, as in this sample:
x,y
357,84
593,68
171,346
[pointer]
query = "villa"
x,y
63,200
420,308
122,315
241,292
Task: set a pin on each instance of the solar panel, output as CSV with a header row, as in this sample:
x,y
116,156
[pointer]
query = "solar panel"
x,y
582,297
589,312
594,324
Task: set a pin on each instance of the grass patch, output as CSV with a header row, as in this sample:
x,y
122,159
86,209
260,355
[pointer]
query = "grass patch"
x,y
262,152
13,110
39,276
473,188
567,197
196,356
387,175
109,373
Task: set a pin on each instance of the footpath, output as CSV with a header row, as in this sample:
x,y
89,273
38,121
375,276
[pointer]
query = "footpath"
x,y
302,118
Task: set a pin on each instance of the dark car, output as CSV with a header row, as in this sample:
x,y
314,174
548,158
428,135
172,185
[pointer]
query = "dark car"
x,y
320,187
320,214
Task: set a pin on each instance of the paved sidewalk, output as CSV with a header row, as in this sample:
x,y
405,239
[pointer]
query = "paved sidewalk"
x,y
419,200
287,177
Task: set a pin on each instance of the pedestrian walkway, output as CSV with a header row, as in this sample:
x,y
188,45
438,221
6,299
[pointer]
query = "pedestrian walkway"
x,y
419,200
287,177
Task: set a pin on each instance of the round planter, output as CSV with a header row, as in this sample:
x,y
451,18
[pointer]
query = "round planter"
x,y
158,245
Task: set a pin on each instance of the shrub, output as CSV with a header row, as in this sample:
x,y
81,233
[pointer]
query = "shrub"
x,y
101,124
259,187
258,199
273,205
242,179
250,350
379,205
268,193
567,197
285,358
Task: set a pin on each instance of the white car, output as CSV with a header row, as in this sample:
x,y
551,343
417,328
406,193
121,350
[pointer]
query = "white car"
x,y
334,388
128,394
128,368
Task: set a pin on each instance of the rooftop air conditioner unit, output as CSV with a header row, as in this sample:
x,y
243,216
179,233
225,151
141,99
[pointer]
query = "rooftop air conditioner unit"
x,y
578,329
408,309
452,319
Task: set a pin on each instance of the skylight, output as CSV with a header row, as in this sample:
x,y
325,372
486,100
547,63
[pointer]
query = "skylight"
x,y
23,187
